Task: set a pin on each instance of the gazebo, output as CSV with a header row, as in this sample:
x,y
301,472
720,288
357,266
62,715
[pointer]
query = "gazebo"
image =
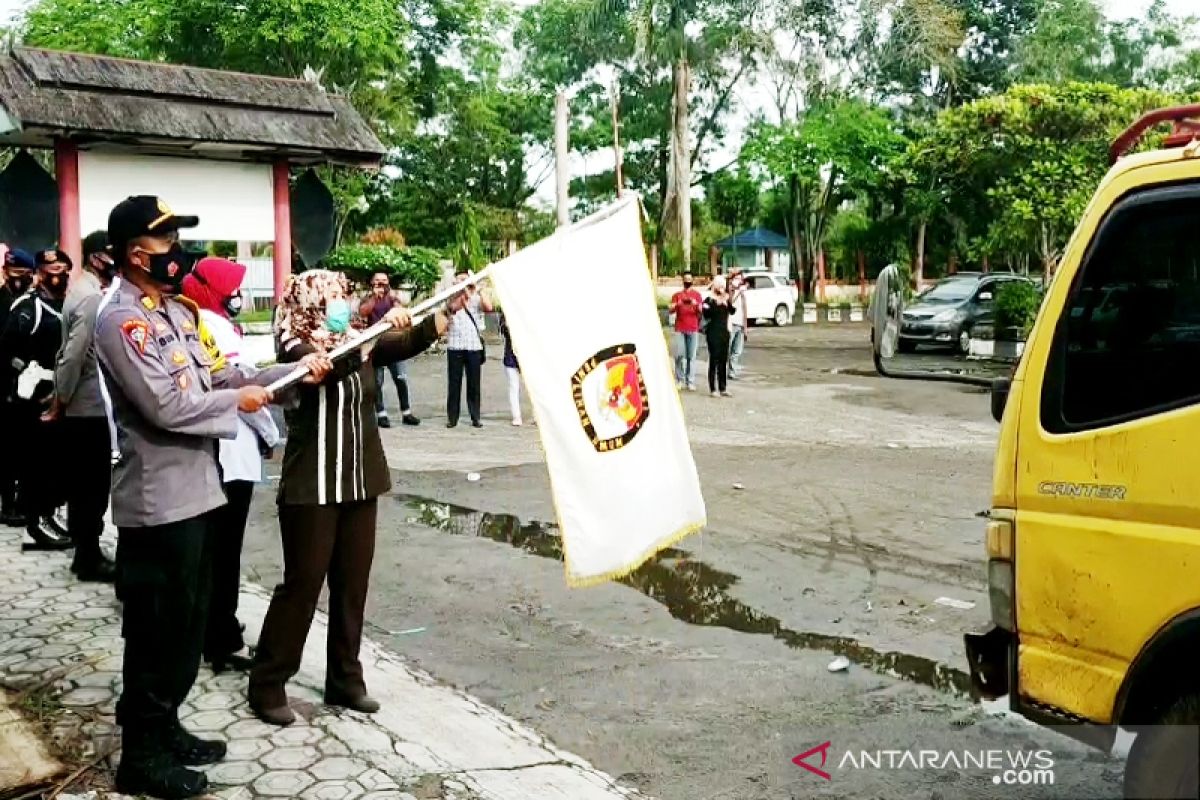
x,y
217,144
756,248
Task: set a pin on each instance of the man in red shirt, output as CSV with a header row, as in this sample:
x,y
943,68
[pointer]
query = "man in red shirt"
x,y
687,307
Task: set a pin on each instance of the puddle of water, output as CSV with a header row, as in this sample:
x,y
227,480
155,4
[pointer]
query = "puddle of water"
x,y
690,590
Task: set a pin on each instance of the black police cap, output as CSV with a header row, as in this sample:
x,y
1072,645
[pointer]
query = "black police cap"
x,y
143,215
46,257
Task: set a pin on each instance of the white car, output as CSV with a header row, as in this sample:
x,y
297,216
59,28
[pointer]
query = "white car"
x,y
770,296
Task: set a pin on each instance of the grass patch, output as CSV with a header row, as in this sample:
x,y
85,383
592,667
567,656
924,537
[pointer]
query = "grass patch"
x,y
259,315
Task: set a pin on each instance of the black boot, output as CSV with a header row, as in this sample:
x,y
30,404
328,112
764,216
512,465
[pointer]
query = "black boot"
x,y
90,565
149,768
192,751
47,534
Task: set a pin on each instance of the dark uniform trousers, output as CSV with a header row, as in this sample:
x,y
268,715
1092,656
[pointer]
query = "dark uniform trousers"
x,y
224,635
37,452
88,441
338,540
164,577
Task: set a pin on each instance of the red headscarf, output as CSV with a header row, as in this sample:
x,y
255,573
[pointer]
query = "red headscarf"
x,y
212,282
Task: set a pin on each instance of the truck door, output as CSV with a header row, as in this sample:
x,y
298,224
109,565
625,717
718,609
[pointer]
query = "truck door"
x,y
1108,475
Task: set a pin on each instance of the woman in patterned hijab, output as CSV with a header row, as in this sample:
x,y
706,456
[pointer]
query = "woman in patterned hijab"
x,y
314,310
334,470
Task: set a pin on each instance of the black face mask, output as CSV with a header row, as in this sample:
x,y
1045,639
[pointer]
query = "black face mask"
x,y
105,268
171,267
56,284
18,284
233,305
687,284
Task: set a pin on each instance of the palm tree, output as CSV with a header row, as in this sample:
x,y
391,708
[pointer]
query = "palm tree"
x,y
661,34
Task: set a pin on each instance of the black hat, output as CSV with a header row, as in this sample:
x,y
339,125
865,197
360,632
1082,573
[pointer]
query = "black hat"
x,y
46,257
95,242
18,258
143,215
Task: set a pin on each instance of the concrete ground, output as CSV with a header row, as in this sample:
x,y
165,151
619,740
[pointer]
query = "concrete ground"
x,y
842,510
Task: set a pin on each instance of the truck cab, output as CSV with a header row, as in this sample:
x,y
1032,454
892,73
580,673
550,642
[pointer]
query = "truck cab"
x,y
1093,538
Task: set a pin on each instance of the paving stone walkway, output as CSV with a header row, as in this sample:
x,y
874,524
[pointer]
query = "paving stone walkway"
x,y
430,742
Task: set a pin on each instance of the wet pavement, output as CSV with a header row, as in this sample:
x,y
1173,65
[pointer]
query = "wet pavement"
x,y
690,590
842,522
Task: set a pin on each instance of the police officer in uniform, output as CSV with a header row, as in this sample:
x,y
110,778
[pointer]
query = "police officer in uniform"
x,y
79,405
171,399
30,341
18,279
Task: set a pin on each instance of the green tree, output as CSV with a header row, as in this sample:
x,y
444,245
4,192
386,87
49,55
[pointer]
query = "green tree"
x,y
1074,40
734,197
834,153
1019,168
697,50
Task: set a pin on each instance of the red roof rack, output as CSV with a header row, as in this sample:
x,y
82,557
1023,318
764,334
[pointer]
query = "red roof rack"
x,y
1187,128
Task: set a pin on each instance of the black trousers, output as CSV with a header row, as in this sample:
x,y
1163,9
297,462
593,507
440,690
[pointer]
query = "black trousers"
x,y
335,542
90,480
163,577
460,361
224,632
718,361
9,466
37,449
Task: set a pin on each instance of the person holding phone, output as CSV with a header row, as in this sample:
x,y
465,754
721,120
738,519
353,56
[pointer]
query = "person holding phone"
x,y
686,306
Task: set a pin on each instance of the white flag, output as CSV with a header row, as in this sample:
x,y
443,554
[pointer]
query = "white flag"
x,y
581,309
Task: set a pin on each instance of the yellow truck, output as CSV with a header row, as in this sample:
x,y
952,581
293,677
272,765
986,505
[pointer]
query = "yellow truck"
x,y
1093,538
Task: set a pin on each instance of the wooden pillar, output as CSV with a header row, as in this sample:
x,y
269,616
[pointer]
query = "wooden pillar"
x,y
66,174
654,263
862,276
714,259
283,227
821,276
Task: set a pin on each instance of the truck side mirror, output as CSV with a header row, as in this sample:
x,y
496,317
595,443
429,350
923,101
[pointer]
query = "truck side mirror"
x,y
1000,391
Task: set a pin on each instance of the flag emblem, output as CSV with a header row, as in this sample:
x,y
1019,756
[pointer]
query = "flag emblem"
x,y
610,397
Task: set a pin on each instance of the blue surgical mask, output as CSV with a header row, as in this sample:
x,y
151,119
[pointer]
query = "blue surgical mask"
x,y
337,315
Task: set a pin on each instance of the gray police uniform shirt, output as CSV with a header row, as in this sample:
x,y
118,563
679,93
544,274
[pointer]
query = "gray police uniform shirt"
x,y
76,373
171,399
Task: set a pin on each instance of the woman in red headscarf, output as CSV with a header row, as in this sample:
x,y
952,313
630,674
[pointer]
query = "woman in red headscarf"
x,y
215,287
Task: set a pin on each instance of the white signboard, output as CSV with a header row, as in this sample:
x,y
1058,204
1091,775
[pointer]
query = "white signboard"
x,y
234,200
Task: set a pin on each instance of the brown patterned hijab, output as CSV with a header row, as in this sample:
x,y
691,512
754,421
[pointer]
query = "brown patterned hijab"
x,y
300,318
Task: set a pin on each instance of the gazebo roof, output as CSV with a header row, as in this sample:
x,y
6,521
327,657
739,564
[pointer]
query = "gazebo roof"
x,y
174,110
755,238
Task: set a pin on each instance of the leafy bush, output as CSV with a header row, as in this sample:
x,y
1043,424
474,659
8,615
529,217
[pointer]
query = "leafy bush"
x,y
417,266
1017,305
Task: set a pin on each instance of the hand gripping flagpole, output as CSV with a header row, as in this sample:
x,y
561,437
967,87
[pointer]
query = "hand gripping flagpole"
x,y
417,312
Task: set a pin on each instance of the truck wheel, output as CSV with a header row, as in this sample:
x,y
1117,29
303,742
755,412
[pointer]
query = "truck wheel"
x,y
1164,761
